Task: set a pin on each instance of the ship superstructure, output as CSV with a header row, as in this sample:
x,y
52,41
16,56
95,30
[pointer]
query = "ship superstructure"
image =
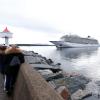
x,y
75,41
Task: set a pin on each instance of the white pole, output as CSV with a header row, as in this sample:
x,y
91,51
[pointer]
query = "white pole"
x,y
6,41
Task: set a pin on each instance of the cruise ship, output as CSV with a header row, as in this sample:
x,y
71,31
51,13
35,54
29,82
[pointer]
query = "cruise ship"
x,y
73,41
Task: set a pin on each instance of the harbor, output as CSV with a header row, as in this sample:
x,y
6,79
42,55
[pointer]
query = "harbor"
x,y
49,50
77,85
54,76
57,68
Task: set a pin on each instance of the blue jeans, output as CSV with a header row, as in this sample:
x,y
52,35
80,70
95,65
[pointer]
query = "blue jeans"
x,y
9,82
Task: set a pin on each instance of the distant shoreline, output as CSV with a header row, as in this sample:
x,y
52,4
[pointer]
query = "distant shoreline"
x,y
34,45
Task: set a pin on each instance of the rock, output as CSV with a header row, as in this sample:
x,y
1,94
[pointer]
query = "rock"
x,y
53,76
80,94
63,91
49,61
92,87
45,72
75,83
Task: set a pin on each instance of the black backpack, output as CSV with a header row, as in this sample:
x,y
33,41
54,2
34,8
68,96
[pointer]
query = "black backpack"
x,y
13,67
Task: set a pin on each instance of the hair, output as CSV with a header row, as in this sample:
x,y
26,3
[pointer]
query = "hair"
x,y
13,49
2,49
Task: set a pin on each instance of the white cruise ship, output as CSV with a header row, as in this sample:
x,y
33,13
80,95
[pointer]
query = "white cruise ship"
x,y
72,41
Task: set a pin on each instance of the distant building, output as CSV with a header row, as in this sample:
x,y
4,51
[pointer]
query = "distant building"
x,y
6,34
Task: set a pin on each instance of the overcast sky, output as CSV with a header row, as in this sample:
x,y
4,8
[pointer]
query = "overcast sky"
x,y
34,21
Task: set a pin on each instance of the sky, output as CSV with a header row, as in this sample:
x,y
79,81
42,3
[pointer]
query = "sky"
x,y
39,21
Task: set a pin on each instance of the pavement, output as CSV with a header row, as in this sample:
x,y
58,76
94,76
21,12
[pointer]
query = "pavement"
x,y
3,95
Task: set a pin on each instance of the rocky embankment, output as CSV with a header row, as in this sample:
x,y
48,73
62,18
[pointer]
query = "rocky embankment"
x,y
71,86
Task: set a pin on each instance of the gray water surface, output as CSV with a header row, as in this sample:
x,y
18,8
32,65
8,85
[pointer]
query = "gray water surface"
x,y
85,61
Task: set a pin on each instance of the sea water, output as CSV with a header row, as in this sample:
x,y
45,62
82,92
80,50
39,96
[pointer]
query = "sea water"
x,y
84,61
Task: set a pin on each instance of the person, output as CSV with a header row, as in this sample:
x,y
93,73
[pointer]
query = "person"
x,y
13,59
2,54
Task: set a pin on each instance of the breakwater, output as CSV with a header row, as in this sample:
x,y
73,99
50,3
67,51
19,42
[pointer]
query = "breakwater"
x,y
42,79
31,86
77,86
70,86
34,44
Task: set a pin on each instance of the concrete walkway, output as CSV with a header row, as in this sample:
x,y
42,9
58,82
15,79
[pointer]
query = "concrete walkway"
x,y
3,95
46,93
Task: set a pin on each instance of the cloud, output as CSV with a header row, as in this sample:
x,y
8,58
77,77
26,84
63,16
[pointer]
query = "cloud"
x,y
31,24
52,16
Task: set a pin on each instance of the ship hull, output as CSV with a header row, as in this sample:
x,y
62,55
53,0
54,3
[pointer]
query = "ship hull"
x,y
62,44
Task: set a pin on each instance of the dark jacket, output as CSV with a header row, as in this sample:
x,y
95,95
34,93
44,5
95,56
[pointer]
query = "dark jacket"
x,y
2,63
9,54
2,51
